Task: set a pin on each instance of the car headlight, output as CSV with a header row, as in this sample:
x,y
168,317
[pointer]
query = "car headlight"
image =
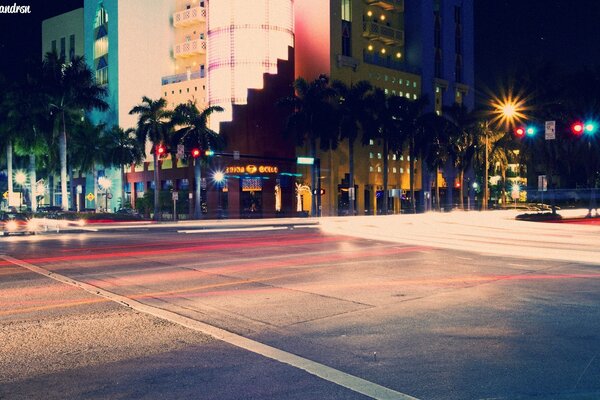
x,y
12,226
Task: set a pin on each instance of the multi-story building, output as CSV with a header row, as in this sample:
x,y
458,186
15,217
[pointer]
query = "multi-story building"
x,y
243,56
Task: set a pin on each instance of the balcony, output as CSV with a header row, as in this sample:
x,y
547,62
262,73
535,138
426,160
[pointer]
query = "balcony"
x,y
189,48
169,80
389,5
384,33
191,16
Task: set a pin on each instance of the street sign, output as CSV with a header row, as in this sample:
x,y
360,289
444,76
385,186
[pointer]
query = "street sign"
x,y
305,160
236,155
180,151
550,130
90,197
175,196
5,195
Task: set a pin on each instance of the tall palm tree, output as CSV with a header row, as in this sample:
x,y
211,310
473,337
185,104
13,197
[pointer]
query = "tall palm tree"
x,y
194,133
435,147
7,133
353,117
154,125
27,116
72,90
385,123
123,149
313,120
412,112
88,150
462,141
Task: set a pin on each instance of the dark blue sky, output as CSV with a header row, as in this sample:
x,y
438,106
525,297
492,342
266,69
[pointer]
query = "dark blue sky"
x,y
508,33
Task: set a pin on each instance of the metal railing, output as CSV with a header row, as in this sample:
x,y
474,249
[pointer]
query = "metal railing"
x,y
190,16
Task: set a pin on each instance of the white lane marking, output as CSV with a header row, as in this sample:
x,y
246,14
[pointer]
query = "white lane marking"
x,y
242,229
517,265
464,258
333,375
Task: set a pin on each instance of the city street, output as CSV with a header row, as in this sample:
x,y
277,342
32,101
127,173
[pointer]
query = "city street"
x,y
433,306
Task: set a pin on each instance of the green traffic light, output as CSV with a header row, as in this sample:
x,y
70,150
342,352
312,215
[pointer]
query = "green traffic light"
x,y
209,153
590,127
530,131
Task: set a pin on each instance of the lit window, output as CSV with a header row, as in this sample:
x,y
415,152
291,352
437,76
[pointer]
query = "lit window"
x,y
385,91
394,157
408,170
437,89
394,170
407,82
400,81
401,170
401,157
371,168
414,96
407,95
378,169
379,156
415,84
371,142
400,93
408,158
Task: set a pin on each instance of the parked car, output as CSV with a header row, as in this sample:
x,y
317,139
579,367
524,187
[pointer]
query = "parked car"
x,y
12,223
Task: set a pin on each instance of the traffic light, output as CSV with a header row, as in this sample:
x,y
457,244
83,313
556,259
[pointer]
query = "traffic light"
x,y
209,153
590,127
160,150
520,131
531,131
577,128
195,153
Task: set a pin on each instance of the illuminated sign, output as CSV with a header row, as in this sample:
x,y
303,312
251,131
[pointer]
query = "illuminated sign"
x,y
252,169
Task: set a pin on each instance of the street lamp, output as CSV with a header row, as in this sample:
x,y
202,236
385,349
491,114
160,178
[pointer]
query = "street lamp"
x,y
20,179
219,178
507,111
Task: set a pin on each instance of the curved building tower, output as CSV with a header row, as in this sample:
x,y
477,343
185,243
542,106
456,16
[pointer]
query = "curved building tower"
x,y
245,40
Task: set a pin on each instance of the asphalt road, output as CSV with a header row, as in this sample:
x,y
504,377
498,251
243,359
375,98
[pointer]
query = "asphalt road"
x,y
289,314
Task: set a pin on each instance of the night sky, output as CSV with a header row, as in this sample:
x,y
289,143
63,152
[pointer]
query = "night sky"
x,y
508,33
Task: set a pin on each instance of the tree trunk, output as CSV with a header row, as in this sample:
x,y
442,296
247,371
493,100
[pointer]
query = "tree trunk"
x,y
314,178
197,189
156,187
437,189
9,167
384,209
411,173
73,189
32,183
461,180
504,197
123,185
95,178
62,150
351,194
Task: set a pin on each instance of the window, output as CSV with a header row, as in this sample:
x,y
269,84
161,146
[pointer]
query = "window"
x,y
371,168
371,142
401,170
101,17
394,170
54,46
379,156
102,72
407,82
371,154
415,84
347,10
378,169
346,38
394,157
401,157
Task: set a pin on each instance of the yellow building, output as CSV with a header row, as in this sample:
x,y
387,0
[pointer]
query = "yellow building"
x,y
350,41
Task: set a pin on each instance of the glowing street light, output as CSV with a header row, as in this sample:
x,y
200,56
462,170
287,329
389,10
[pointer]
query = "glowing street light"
x,y
219,179
105,184
21,179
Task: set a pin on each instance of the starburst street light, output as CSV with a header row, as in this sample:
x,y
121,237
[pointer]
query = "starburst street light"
x,y
508,109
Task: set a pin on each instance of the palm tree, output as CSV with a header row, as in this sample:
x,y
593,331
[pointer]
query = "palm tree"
x,y
194,133
154,125
313,119
27,117
7,133
385,123
123,149
88,150
435,147
462,141
353,116
72,90
412,112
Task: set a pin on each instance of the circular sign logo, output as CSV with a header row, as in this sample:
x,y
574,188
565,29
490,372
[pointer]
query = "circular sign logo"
x,y
251,169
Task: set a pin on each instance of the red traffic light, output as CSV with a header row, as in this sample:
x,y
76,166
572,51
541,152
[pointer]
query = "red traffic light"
x,y
520,131
577,128
195,153
160,150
